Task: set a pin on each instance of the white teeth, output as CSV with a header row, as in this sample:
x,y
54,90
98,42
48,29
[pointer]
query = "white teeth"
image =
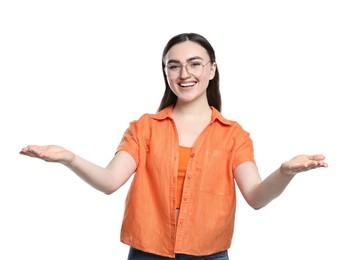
x,y
187,84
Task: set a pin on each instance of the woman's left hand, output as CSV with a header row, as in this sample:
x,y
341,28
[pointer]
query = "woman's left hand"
x,y
302,163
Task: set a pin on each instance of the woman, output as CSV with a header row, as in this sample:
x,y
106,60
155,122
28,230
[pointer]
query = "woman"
x,y
186,159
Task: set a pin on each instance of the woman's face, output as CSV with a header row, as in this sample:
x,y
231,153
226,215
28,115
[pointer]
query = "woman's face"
x,y
189,70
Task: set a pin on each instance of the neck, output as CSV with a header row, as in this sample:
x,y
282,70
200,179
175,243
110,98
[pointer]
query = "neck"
x,y
192,109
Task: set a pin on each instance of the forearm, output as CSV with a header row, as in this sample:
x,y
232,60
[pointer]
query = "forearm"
x,y
98,177
269,189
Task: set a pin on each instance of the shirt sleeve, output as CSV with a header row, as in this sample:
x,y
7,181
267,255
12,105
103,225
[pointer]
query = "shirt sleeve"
x,y
130,142
244,150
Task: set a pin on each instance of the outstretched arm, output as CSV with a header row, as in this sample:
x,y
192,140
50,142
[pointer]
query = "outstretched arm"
x,y
259,193
107,179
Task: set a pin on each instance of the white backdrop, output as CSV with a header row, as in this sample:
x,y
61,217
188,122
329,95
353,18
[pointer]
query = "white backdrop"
x,y
75,73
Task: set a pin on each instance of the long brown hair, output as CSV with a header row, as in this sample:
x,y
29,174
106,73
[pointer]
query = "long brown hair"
x,y
213,92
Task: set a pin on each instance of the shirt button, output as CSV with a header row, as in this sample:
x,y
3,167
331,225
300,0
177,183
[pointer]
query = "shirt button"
x,y
189,177
192,155
185,199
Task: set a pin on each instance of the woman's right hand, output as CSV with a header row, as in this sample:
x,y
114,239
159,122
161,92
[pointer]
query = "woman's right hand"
x,y
107,179
49,153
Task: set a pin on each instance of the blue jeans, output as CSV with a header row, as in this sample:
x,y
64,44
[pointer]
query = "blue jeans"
x,y
135,254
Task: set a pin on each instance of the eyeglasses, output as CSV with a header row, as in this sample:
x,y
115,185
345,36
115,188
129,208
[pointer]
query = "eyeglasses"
x,y
194,68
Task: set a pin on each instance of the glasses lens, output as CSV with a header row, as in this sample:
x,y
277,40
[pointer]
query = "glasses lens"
x,y
173,70
195,68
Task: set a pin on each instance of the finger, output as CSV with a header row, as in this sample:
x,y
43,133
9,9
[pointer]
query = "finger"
x,y
311,166
317,157
305,166
25,149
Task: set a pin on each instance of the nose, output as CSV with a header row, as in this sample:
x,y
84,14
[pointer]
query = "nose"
x,y
184,72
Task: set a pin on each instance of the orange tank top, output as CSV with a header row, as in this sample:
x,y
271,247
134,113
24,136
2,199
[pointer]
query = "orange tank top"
x,y
184,153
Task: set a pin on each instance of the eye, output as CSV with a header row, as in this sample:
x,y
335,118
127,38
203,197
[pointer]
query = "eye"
x,y
195,64
174,66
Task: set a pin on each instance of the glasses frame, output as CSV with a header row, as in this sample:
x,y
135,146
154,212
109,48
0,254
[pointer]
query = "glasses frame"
x,y
184,65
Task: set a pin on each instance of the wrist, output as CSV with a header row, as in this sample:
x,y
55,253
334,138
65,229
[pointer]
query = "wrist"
x,y
69,159
284,171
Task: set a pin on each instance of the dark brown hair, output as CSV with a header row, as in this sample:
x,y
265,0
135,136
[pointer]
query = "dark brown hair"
x,y
213,93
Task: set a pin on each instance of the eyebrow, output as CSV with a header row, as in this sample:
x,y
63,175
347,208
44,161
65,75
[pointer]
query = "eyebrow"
x,y
188,60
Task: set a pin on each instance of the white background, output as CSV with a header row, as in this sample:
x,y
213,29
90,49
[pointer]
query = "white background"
x,y
75,73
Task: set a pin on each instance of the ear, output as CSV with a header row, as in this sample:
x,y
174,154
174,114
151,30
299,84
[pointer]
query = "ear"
x,y
213,71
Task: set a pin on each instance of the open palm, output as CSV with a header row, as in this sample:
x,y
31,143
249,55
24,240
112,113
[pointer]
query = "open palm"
x,y
303,163
49,153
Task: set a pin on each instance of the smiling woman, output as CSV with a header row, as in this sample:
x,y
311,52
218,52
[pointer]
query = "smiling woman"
x,y
186,160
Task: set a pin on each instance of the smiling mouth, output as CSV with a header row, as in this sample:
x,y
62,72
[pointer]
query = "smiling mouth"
x,y
186,85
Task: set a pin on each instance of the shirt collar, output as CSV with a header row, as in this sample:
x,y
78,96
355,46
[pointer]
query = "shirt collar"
x,y
167,113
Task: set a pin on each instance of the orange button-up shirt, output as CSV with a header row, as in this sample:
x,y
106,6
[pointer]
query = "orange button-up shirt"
x,y
206,218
